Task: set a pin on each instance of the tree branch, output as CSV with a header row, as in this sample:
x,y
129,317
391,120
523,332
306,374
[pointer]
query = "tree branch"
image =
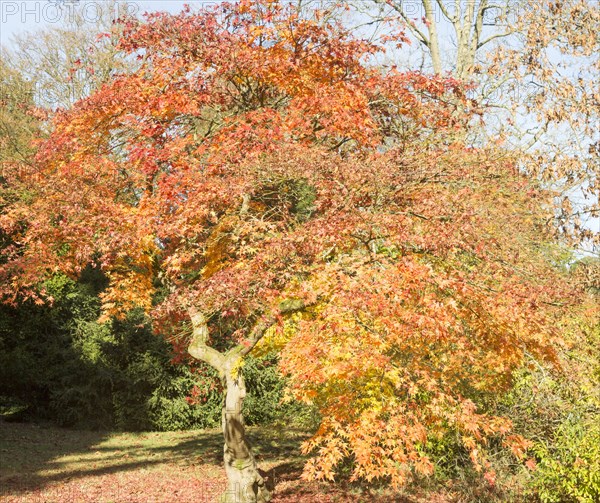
x,y
288,306
494,36
446,13
198,347
411,26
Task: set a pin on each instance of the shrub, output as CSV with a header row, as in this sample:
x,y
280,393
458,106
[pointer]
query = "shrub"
x,y
559,411
568,467
64,366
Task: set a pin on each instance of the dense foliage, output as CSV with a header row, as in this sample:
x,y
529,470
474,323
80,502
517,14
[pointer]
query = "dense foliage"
x,y
58,363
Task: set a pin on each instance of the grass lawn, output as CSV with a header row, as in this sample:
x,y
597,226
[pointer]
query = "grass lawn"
x,y
40,463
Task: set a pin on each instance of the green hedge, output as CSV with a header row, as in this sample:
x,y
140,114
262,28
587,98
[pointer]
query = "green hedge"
x,y
59,364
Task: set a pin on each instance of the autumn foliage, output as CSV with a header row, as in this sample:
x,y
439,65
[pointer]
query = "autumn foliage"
x,y
258,160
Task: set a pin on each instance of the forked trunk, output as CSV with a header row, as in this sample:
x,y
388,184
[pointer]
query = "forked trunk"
x,y
244,482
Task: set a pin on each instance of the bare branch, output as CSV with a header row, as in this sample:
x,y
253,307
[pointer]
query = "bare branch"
x,y
495,36
452,19
421,37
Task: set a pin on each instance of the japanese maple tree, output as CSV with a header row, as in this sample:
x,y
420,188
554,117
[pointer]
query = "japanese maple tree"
x,y
286,192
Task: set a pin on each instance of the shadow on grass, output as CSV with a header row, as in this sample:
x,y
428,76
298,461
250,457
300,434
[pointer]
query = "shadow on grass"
x,y
33,457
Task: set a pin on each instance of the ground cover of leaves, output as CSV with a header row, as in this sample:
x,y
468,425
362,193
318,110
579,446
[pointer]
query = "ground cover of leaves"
x,y
42,463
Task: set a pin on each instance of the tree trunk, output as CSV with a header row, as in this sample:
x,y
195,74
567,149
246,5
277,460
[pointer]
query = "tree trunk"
x,y
434,42
244,482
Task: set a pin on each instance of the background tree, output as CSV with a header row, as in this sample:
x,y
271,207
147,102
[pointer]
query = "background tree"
x,y
66,62
281,186
535,67
19,123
